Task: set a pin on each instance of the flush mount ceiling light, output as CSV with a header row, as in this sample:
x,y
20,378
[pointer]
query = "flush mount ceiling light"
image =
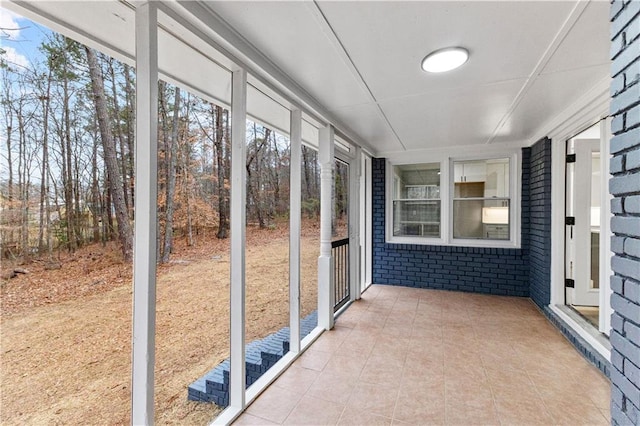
x,y
445,59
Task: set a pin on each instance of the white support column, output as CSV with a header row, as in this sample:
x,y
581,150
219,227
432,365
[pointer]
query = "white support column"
x,y
144,243
238,226
295,209
326,296
355,285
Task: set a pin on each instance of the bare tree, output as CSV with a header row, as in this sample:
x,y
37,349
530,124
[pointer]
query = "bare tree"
x,y
110,155
223,192
171,152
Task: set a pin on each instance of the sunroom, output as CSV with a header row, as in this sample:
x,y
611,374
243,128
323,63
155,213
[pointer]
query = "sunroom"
x,y
484,206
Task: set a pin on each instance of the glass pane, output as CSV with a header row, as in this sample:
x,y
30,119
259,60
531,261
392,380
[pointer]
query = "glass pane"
x,y
193,316
340,219
421,218
416,201
309,240
481,178
481,219
267,249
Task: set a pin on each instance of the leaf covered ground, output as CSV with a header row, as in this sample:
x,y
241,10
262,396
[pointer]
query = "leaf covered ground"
x,y
66,333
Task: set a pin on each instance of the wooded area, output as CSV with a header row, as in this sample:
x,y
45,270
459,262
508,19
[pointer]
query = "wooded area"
x,y
68,166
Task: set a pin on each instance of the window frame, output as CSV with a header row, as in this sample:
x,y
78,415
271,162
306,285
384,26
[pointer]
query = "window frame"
x,y
396,188
446,200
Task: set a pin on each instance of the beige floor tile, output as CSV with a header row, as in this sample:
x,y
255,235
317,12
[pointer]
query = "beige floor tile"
x,y
395,330
360,348
393,348
275,404
380,369
421,366
332,388
249,420
505,359
421,410
606,412
297,379
431,344
600,395
471,413
314,411
331,340
460,371
373,398
351,417
313,359
572,414
518,409
410,356
347,365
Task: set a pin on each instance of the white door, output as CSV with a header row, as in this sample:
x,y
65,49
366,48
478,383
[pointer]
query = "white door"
x,y
583,237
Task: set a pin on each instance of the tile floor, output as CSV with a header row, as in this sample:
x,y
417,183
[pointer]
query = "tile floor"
x,y
412,356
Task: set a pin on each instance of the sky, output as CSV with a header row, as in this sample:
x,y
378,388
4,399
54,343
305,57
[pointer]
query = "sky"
x,y
20,38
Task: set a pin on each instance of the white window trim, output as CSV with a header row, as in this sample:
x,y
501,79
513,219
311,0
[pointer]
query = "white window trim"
x,y
446,190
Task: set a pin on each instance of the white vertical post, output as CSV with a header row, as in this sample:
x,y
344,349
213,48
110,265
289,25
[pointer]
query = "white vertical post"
x,y
238,223
144,244
295,208
326,297
367,254
605,228
354,225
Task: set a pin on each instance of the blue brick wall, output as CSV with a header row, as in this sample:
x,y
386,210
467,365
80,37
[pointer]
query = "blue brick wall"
x,y
480,270
539,237
625,225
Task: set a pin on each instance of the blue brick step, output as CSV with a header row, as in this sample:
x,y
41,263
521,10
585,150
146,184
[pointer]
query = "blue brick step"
x,y
260,355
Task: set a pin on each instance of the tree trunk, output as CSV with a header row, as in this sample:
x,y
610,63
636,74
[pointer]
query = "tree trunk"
x,y
129,90
171,179
95,194
119,136
124,227
44,187
223,215
23,187
307,172
253,182
67,173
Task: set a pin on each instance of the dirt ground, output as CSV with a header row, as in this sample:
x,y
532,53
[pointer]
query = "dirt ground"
x,y
66,334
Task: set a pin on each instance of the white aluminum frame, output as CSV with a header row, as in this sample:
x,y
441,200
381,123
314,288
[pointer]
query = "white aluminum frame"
x,y
238,237
295,218
145,226
355,167
366,221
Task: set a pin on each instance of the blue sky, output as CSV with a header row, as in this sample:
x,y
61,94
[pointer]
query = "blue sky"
x,y
20,37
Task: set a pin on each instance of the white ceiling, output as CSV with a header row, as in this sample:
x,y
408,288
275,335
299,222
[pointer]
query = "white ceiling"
x,y
361,60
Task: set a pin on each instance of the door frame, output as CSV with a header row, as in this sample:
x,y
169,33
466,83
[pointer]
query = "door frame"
x,y
566,129
578,250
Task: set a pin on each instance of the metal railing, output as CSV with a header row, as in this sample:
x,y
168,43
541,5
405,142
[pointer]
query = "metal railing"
x,y
340,255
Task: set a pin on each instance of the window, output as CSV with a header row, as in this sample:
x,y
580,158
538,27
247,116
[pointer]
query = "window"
x,y
467,201
481,199
416,200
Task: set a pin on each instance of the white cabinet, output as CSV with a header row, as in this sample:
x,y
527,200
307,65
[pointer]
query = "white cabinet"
x,y
470,171
497,182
